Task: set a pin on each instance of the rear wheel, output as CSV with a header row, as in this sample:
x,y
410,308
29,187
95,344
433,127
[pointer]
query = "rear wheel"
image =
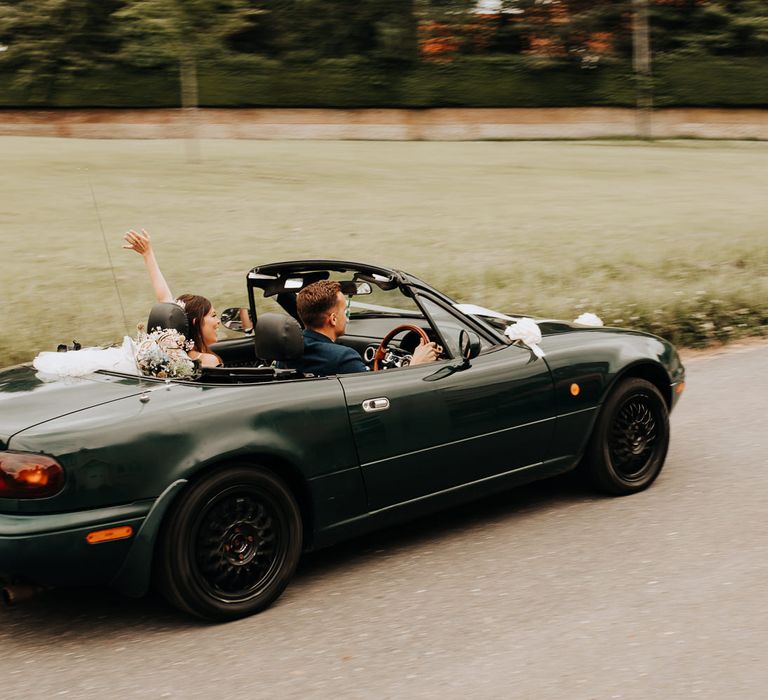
x,y
630,440
230,545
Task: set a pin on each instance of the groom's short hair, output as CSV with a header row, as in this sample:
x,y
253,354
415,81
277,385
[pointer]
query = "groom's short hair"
x,y
315,301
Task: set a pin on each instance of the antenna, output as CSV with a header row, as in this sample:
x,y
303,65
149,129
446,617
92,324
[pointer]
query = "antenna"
x,y
109,257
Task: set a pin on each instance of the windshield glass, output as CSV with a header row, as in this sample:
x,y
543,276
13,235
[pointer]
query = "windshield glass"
x,y
488,317
383,303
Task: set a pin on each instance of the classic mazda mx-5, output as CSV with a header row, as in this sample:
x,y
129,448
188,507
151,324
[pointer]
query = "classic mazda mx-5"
x,y
211,486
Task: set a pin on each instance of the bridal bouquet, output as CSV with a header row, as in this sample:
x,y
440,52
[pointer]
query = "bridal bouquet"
x,y
162,353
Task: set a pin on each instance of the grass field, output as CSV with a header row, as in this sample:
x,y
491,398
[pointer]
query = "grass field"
x,y
670,237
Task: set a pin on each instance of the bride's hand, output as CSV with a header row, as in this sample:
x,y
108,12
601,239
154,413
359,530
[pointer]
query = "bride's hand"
x,y
143,246
138,241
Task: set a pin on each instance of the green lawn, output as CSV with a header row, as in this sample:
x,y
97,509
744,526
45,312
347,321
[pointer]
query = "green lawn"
x,y
669,236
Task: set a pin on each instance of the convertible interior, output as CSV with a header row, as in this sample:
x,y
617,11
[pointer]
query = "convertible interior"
x,y
385,324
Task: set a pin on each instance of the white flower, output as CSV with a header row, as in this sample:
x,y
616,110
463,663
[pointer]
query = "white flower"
x,y
163,353
587,319
527,331
181,304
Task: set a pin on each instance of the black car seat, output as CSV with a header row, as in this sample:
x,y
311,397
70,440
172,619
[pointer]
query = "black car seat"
x,y
168,315
278,338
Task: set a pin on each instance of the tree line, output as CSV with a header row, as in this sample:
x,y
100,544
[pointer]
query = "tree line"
x,y
47,43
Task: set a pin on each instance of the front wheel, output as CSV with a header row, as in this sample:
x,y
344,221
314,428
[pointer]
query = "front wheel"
x,y
629,444
230,545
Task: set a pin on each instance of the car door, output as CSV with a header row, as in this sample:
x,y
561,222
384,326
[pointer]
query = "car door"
x,y
425,429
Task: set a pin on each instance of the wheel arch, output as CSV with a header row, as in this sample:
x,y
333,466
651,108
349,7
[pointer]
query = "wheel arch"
x,y
135,576
594,463
646,369
651,372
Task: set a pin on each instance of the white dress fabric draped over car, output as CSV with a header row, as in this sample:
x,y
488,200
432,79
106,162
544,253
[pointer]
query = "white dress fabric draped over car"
x,y
77,363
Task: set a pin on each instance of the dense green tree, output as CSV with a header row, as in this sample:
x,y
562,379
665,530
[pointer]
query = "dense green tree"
x,y
47,45
47,42
307,30
186,32
727,28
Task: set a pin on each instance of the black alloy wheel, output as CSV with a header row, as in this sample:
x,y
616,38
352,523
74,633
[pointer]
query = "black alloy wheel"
x,y
630,440
230,545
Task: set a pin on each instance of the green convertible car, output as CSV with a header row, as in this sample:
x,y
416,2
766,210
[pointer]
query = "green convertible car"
x,y
211,487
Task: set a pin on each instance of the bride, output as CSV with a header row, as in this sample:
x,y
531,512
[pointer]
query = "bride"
x,y
159,351
201,316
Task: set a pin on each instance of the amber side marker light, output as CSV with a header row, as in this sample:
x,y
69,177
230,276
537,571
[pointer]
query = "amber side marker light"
x,y
679,388
575,389
113,533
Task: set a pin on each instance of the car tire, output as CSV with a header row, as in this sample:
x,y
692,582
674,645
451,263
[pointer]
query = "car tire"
x,y
630,440
230,545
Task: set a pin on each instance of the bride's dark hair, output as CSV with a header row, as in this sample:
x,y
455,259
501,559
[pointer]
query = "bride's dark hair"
x,y
196,308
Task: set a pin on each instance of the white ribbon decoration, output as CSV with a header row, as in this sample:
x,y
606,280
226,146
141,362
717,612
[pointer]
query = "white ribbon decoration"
x,y
527,331
588,319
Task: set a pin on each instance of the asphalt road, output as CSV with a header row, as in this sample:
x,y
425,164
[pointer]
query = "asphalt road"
x,y
546,592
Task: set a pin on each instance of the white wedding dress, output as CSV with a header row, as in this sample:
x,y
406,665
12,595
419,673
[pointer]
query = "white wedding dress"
x,y
77,363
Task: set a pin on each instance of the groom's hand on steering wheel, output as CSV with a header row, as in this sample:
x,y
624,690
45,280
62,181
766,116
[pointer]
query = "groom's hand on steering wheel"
x,y
425,352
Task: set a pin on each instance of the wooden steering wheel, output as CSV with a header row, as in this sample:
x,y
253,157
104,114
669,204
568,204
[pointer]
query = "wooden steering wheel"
x,y
381,351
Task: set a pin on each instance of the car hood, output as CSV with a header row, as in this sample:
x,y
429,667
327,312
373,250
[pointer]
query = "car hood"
x,y
28,398
547,326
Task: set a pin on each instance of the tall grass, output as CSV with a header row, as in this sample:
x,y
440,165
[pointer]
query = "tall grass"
x,y
670,237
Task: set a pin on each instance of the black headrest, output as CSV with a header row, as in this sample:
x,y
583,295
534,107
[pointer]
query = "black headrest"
x,y
278,337
168,315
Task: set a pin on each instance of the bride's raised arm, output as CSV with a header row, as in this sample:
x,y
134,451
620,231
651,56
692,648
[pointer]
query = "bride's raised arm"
x,y
143,246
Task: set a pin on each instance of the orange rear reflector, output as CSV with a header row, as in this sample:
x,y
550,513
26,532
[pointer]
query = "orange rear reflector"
x,y
575,389
113,533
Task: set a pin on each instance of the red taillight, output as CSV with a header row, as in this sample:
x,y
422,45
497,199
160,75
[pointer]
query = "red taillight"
x,y
24,475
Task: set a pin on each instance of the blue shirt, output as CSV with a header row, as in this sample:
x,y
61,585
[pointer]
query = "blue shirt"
x,y
323,357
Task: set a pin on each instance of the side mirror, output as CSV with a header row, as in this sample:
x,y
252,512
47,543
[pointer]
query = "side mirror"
x,y
469,345
237,319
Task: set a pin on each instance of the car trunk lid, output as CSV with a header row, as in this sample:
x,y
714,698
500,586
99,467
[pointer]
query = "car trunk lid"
x,y
28,398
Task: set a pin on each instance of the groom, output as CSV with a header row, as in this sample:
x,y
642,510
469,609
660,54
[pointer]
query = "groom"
x,y
322,310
